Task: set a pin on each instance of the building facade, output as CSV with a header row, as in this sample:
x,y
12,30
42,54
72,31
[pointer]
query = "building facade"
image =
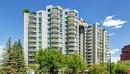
x,y
82,37
125,54
52,27
97,45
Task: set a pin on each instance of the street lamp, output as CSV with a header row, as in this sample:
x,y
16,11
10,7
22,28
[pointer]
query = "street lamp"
x,y
110,63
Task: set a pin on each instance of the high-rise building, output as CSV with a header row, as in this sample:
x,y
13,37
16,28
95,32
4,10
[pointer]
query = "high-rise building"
x,y
125,55
82,37
52,27
97,45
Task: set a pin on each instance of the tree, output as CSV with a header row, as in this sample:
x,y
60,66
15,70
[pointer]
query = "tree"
x,y
51,58
98,69
108,67
26,10
122,67
34,67
6,56
13,62
74,64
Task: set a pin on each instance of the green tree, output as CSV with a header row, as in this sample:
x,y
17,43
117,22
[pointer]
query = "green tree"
x,y
26,10
34,67
122,67
98,69
13,62
74,64
51,58
108,67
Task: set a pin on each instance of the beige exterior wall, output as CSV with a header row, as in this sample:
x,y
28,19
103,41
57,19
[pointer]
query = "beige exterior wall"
x,y
26,19
96,44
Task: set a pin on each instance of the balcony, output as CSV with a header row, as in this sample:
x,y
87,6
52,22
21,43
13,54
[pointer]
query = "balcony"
x,y
54,30
32,16
32,50
90,41
89,52
71,31
54,35
32,40
54,40
89,48
72,19
71,52
71,27
54,26
73,23
89,59
71,40
32,45
54,16
31,60
32,21
54,45
71,14
71,44
71,36
55,21
32,25
31,30
54,11
32,35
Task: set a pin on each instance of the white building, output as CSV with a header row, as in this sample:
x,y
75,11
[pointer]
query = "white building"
x,y
97,44
52,27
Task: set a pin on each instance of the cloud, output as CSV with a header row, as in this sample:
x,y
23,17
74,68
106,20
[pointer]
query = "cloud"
x,y
115,55
1,46
111,34
1,51
114,23
114,51
115,58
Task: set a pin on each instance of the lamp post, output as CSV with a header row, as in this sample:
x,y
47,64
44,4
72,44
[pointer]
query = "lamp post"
x,y
110,64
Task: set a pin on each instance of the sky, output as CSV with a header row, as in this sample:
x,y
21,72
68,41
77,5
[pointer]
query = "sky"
x,y
113,15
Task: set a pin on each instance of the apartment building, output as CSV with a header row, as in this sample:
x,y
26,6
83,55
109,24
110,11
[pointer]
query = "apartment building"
x,y
125,53
97,44
82,37
54,26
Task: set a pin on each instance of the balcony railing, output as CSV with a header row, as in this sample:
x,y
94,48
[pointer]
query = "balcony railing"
x,y
54,30
32,21
54,45
71,14
71,19
54,11
31,25
54,26
71,40
71,44
54,21
54,40
54,35
33,45
54,16
31,30
71,35
32,40
71,23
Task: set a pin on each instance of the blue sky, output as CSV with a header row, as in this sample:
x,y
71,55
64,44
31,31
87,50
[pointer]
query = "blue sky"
x,y
113,15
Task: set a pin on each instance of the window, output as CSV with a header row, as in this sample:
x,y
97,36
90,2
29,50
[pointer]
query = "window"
x,y
49,15
49,20
49,29
49,10
40,14
66,13
40,19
